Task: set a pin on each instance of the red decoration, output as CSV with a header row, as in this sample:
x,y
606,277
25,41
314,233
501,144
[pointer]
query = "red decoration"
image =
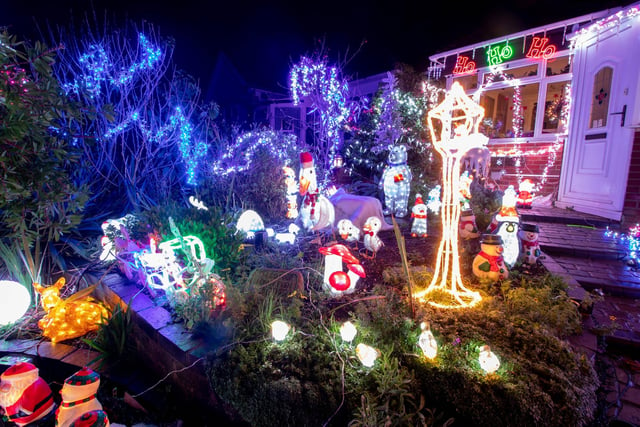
x,y
340,281
539,48
464,66
398,178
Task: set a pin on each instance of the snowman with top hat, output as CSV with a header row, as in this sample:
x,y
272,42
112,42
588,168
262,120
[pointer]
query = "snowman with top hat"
x,y
530,251
489,263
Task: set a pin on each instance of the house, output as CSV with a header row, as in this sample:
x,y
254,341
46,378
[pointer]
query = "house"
x,y
562,108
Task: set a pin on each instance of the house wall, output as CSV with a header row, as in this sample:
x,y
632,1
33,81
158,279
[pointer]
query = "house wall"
x,y
631,209
540,162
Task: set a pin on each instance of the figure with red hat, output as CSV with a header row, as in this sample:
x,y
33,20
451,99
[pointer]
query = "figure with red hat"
x,y
419,215
25,397
316,211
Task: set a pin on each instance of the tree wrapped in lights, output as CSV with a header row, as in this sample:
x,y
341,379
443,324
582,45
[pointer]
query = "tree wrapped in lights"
x,y
144,144
454,130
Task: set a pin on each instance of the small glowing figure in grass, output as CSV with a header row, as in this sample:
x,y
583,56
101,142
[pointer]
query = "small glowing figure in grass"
x,y
14,301
372,242
427,342
279,330
348,331
198,204
453,125
528,235
433,199
72,317
316,211
489,263
396,182
525,194
489,362
24,396
419,215
367,354
292,191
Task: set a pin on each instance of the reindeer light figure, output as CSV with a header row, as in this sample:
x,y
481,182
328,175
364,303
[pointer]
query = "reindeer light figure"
x,y
71,317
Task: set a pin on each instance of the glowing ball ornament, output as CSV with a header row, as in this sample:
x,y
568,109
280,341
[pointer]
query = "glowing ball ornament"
x,y
396,182
249,223
367,354
525,194
454,127
14,301
348,331
24,396
528,235
79,397
427,342
279,330
488,360
489,263
419,216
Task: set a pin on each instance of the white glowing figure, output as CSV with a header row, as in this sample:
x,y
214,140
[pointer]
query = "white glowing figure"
x,y
465,190
508,208
293,228
348,231
316,212
292,192
111,226
336,281
367,354
488,360
419,216
249,223
396,182
279,330
197,204
507,220
372,242
348,331
433,199
427,342
14,301
289,238
459,119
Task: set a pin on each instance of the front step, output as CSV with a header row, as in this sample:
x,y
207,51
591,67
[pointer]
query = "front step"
x,y
578,241
539,214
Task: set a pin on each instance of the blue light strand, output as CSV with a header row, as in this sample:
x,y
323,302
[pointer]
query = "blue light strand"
x,y
631,242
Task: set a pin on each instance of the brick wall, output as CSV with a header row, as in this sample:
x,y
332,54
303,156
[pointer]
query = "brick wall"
x,y
631,209
535,159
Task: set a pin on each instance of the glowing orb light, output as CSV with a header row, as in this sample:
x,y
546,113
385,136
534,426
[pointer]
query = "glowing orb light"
x,y
427,342
250,222
488,360
367,354
14,301
453,125
279,330
348,331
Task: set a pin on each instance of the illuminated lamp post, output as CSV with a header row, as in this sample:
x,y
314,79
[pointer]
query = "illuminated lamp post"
x,y
453,125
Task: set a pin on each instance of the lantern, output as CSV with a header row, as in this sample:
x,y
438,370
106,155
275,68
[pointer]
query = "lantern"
x,y
279,330
14,301
488,360
348,331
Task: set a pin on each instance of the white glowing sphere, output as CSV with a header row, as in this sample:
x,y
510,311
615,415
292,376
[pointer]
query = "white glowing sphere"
x,y
348,331
279,330
488,360
14,301
366,354
250,222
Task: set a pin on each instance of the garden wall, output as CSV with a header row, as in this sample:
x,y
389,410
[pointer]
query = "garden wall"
x,y
631,209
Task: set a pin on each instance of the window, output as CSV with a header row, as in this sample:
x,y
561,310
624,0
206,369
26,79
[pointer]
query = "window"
x,y
554,108
468,82
558,66
530,70
600,98
499,105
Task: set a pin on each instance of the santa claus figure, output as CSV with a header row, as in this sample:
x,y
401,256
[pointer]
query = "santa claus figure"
x,y
489,264
79,398
25,397
530,251
419,215
525,194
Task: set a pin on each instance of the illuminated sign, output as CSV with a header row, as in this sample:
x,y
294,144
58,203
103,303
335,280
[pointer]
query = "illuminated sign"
x,y
496,55
540,49
464,66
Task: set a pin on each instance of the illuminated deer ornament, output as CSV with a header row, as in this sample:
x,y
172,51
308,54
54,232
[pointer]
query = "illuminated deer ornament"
x,y
453,125
69,318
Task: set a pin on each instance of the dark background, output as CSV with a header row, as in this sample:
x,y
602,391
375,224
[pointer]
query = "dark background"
x,y
264,38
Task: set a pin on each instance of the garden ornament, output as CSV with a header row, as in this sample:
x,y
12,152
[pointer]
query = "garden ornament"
x,y
357,208
419,216
488,360
14,301
372,242
197,203
396,182
528,235
367,354
316,211
71,317
336,281
348,231
427,342
525,194
433,199
78,398
292,192
25,397
468,228
489,264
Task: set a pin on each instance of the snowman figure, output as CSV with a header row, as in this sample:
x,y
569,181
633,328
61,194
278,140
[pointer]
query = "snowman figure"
x,y
396,182
489,264
25,398
528,235
419,215
78,398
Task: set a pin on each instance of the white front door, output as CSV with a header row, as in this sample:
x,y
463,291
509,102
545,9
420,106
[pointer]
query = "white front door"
x,y
597,153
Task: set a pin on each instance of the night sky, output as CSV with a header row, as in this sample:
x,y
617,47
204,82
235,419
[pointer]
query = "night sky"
x,y
264,38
